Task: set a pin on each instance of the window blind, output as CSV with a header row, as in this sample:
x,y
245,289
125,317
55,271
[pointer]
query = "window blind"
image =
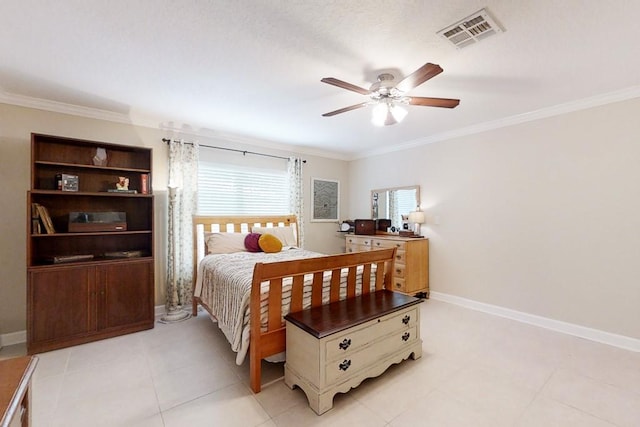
x,y
237,190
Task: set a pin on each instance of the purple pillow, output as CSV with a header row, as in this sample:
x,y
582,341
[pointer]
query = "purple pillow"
x,y
251,242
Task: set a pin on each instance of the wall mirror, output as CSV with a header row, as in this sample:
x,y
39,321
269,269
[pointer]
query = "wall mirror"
x,y
392,203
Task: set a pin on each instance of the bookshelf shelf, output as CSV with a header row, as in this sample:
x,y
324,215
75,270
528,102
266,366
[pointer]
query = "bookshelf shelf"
x,y
94,167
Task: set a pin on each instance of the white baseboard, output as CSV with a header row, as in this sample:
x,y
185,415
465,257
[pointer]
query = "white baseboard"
x,y
13,338
160,310
21,336
627,343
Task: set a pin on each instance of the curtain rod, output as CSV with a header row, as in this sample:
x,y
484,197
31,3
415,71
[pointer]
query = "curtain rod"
x,y
244,152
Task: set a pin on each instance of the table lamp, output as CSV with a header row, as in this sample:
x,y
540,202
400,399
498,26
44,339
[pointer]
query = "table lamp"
x,y
417,218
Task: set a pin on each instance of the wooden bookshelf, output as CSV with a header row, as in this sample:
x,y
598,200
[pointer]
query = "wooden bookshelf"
x,y
76,293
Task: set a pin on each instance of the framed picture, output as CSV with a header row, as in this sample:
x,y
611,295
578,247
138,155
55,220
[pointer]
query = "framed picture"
x,y
325,195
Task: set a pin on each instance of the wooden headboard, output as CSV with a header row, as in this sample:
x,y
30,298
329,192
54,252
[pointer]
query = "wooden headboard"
x,y
234,224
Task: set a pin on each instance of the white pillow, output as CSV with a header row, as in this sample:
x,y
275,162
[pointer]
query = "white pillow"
x,y
284,234
224,243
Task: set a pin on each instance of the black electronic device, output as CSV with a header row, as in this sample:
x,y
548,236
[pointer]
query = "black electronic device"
x,y
88,222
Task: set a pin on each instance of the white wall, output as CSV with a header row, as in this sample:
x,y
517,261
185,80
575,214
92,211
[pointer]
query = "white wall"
x,y
541,217
16,126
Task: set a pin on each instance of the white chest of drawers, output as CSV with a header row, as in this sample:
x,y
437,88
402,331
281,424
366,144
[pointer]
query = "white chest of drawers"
x,y
411,271
334,347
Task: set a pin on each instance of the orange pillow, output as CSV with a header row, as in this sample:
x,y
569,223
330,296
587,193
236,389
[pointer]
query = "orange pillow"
x,y
269,243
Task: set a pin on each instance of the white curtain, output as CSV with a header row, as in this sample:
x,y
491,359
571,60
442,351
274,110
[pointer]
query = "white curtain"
x,y
183,189
296,194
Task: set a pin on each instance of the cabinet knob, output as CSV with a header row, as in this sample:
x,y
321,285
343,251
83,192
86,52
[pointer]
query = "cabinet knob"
x,y
345,344
398,285
406,319
405,336
345,364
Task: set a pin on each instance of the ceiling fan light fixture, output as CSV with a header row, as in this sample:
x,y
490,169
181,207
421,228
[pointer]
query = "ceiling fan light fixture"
x,y
379,114
387,114
398,112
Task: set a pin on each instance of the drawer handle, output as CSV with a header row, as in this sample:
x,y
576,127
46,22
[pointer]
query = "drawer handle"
x,y
398,257
398,270
345,344
406,319
405,336
398,285
345,365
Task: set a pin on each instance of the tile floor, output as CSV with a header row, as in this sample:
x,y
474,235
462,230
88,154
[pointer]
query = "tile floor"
x,y
476,370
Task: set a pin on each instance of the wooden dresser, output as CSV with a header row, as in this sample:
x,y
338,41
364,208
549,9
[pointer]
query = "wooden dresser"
x,y
333,348
15,391
411,271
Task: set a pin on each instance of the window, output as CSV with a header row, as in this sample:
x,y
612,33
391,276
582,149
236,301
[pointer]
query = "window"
x,y
225,189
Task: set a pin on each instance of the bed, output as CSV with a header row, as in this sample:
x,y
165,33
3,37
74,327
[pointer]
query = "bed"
x,y
248,294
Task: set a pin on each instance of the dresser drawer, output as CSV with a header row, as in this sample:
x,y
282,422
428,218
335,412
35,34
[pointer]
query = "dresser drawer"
x,y
350,341
401,257
358,240
358,248
386,243
350,363
398,284
398,271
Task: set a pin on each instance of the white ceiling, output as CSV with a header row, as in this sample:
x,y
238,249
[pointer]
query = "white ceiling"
x,y
252,68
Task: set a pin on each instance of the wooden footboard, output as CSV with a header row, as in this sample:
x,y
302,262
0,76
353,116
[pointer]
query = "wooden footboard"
x,y
272,341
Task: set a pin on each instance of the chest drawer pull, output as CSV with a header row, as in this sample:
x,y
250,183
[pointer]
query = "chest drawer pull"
x,y
345,365
405,337
406,319
345,344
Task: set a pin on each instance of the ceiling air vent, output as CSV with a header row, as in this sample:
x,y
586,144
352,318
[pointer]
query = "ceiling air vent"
x,y
471,29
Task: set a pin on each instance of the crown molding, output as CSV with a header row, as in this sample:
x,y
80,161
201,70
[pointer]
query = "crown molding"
x,y
154,123
63,108
568,107
149,122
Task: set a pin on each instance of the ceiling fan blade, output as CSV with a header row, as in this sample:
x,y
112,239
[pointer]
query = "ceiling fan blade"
x,y
345,109
434,102
345,85
419,76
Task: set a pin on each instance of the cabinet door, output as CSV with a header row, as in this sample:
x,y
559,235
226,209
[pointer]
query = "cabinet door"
x,y
126,294
61,303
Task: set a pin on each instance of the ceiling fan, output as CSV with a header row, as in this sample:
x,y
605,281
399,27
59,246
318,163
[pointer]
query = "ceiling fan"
x,y
386,96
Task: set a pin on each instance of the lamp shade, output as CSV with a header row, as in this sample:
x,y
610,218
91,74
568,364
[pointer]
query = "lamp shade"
x,y
417,217
387,113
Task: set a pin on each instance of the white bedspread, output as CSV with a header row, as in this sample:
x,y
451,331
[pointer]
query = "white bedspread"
x,y
224,285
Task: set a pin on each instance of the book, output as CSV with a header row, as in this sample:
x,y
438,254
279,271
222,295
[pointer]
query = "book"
x,y
45,218
35,219
115,190
123,254
59,259
144,183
